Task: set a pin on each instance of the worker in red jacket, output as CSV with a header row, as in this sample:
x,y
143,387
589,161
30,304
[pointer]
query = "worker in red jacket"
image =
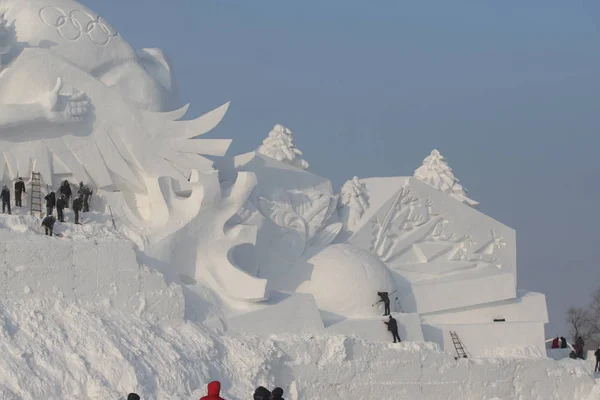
x,y
214,389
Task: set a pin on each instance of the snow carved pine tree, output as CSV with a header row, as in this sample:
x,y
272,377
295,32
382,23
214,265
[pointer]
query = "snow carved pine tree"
x,y
279,145
436,172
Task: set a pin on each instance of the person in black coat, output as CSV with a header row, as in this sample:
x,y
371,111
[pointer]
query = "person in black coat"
x,y
85,193
19,189
48,224
133,396
5,194
563,343
65,189
392,326
277,394
77,204
385,298
262,393
60,206
50,202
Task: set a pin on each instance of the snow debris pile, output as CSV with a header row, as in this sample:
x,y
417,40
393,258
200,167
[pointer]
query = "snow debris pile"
x,y
436,172
280,146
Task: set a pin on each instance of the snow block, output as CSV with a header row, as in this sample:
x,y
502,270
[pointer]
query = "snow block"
x,y
373,329
293,312
489,340
527,307
463,291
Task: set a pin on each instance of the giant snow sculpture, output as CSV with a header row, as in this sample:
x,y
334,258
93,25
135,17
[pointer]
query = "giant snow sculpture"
x,y
258,237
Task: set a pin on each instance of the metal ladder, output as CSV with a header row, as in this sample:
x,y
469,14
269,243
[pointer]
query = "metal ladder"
x,y
36,193
460,350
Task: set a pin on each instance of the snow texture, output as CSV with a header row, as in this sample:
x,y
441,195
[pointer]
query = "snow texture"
x,y
436,172
257,273
280,146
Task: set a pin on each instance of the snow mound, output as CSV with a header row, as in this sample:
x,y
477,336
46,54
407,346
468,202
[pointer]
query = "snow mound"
x,y
345,281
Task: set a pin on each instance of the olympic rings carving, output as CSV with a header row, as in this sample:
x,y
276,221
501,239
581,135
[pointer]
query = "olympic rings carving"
x,y
77,24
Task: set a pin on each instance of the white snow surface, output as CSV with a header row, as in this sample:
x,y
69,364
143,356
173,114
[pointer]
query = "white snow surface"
x,y
53,349
280,146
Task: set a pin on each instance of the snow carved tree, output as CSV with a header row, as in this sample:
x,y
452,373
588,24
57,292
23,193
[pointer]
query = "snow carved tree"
x,y
353,202
279,145
436,172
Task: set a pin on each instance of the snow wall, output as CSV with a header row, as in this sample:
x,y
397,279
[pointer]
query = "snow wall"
x,y
104,272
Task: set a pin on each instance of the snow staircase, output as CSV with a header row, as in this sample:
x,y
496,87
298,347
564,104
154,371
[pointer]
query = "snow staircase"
x,y
36,193
460,350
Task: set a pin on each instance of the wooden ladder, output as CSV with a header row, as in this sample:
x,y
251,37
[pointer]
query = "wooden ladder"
x,y
36,193
460,350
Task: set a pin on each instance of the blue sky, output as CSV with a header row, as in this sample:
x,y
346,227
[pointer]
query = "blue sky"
x,y
507,91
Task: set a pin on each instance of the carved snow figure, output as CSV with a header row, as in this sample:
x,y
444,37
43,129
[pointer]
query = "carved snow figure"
x,y
436,172
353,202
62,57
280,146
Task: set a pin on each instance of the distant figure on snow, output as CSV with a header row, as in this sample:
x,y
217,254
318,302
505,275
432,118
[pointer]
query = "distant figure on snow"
x,y
597,354
77,203
50,202
60,206
5,199
563,343
214,391
85,193
65,190
277,394
133,396
19,189
48,224
262,393
386,302
555,344
392,326
579,345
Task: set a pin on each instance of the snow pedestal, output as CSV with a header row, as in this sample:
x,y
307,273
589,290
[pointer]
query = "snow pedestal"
x,y
286,313
492,339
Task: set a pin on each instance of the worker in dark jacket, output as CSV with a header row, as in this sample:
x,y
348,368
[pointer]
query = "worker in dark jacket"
x,y
60,206
214,391
597,354
385,298
77,203
277,394
48,224
65,189
19,189
133,396
50,202
5,198
392,326
85,193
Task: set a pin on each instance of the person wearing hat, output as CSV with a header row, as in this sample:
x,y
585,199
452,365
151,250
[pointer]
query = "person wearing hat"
x,y
277,394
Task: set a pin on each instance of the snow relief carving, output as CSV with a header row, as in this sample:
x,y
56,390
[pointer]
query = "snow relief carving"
x,y
411,236
304,218
436,172
280,146
76,24
354,201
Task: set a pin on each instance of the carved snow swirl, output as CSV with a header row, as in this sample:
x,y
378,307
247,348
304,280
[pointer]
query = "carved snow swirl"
x,y
77,24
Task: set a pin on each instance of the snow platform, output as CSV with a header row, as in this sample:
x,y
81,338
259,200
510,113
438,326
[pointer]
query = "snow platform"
x,y
285,313
373,328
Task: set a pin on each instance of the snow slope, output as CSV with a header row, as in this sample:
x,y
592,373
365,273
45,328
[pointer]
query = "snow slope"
x,y
54,349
